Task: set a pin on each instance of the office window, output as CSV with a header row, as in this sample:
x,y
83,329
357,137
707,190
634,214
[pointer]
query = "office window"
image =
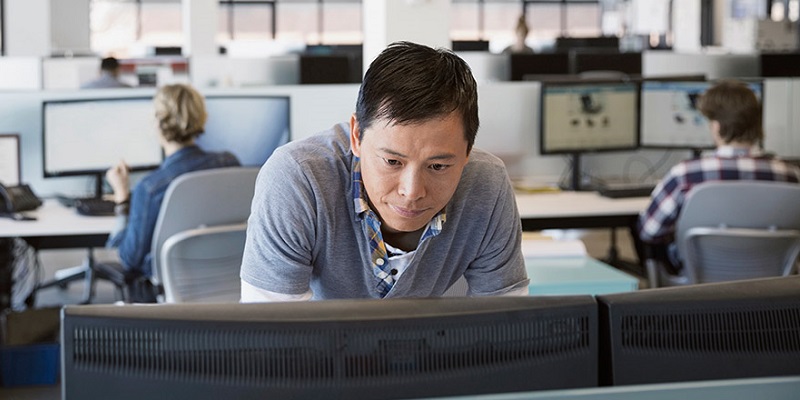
x,y
297,21
246,21
465,22
314,22
341,22
131,28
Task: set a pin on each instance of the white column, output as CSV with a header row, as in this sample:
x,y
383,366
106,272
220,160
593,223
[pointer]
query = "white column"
x,y
200,27
420,21
686,26
27,28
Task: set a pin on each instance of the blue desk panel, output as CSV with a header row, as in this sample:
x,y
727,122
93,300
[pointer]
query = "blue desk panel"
x,y
576,275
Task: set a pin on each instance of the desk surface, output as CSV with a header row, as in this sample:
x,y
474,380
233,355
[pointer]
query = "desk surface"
x,y
568,210
53,219
576,275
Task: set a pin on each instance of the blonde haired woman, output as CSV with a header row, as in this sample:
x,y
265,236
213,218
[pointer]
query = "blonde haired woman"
x,y
181,116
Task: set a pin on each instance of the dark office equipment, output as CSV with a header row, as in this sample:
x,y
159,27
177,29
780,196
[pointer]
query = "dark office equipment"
x,y
626,63
326,68
619,190
537,64
779,64
94,207
565,44
470,45
701,332
250,127
580,116
335,349
88,136
168,51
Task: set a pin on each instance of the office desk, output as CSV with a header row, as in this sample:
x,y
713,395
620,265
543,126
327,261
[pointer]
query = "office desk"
x,y
568,210
57,226
576,275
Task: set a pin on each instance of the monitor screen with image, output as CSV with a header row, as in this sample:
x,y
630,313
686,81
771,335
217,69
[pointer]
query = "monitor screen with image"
x,y
88,136
337,349
589,116
670,118
249,126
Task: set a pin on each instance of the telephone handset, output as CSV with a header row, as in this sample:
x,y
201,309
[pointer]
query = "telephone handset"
x,y
14,199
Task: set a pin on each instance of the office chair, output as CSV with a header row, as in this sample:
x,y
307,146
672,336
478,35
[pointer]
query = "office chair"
x,y
732,230
199,235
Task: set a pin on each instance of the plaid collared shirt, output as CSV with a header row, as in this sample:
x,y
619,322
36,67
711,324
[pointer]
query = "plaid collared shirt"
x,y
657,222
380,258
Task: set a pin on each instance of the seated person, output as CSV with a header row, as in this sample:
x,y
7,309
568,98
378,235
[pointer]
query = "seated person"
x,y
734,116
109,76
396,203
181,115
520,34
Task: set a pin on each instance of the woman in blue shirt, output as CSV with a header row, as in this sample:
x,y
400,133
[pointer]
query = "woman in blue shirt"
x,y
180,115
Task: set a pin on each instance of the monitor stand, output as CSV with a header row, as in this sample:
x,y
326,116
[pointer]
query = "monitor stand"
x,y
574,183
98,184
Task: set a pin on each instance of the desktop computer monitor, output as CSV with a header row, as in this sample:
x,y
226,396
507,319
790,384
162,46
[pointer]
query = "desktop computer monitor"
x,y
779,64
626,63
521,65
326,68
470,45
727,330
586,116
250,127
346,349
669,114
88,136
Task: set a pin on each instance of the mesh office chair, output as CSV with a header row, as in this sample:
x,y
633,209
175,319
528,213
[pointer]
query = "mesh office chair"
x,y
198,239
732,230
199,235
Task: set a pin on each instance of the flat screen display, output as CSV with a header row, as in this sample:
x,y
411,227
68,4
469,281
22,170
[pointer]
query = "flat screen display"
x,y
86,137
670,118
250,127
582,117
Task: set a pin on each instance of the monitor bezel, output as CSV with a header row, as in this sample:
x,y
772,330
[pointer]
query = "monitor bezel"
x,y
588,82
86,172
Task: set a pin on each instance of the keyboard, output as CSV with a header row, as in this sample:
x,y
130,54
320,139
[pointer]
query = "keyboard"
x,y
626,189
94,206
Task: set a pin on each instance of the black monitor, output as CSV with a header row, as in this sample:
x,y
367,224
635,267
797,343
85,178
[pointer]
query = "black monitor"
x,y
713,331
585,116
565,44
779,64
470,45
521,65
249,126
88,136
327,68
669,115
335,349
626,63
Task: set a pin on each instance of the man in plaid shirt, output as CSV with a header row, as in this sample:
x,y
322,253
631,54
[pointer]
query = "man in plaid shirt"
x,y
734,116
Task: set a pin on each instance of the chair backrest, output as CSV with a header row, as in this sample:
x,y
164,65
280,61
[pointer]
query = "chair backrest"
x,y
202,265
730,230
201,199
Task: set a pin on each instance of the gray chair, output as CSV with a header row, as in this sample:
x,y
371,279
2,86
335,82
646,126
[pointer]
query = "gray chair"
x,y
733,230
199,235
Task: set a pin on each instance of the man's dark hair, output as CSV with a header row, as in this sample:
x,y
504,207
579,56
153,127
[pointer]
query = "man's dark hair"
x,y
109,64
411,83
736,108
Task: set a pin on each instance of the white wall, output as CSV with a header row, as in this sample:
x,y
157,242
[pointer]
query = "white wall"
x,y
27,28
20,73
714,66
69,27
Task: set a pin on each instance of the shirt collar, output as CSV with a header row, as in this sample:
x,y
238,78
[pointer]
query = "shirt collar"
x,y
731,151
185,152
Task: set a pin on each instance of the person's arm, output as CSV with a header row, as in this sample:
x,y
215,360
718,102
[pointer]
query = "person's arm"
x,y
657,221
134,239
499,270
280,232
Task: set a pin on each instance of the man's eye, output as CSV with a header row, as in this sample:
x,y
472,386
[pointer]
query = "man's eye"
x,y
391,162
439,167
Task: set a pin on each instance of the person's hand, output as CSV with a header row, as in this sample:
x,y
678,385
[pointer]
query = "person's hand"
x,y
117,177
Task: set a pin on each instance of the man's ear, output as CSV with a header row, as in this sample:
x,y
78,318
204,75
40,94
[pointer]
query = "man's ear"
x,y
355,134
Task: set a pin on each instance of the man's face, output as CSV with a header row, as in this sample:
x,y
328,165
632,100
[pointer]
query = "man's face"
x,y
411,171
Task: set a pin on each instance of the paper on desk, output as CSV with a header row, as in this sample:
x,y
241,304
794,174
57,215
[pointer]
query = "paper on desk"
x,y
537,248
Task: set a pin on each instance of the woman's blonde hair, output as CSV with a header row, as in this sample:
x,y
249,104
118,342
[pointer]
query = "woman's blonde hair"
x,y
180,112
